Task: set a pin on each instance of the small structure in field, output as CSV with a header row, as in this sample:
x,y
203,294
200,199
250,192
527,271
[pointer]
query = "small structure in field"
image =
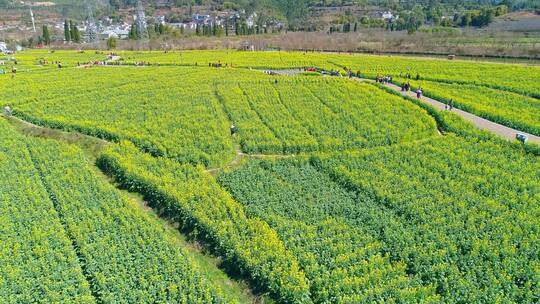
x,y
451,57
248,46
8,111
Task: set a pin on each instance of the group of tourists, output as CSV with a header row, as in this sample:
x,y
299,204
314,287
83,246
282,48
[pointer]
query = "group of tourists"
x,y
90,63
383,79
408,76
405,86
217,65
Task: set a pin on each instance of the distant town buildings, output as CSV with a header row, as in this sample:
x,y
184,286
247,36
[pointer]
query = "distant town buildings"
x,y
107,27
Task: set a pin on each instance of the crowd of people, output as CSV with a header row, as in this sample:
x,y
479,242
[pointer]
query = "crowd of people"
x,y
218,65
405,86
408,76
383,79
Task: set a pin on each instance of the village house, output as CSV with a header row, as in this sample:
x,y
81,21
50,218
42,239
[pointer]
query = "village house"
x,y
3,47
118,33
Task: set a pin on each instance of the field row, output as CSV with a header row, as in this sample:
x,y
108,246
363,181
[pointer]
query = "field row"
x,y
182,115
69,236
454,214
513,77
495,91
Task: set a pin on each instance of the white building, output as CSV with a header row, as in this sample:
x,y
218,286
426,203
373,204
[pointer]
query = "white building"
x,y
114,33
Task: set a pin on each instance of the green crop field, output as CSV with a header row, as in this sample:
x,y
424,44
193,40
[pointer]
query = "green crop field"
x,y
166,118
126,184
75,214
406,202
494,81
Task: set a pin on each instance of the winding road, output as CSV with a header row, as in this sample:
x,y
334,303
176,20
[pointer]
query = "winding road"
x,y
479,122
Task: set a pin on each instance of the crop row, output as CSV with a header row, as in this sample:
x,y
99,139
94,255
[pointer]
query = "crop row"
x,y
86,241
37,259
458,212
344,263
191,196
507,77
511,77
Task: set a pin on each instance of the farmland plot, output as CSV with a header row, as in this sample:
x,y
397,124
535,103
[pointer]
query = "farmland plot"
x,y
113,252
401,201
345,263
462,214
247,245
185,113
37,259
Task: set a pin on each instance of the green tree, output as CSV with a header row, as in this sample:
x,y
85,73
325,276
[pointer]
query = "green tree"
x,y
67,32
46,35
111,43
74,32
132,33
76,36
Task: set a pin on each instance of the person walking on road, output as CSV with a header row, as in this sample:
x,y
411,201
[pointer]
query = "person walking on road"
x,y
419,93
451,104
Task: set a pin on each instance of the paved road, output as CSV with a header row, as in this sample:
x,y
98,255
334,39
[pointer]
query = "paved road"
x,y
503,131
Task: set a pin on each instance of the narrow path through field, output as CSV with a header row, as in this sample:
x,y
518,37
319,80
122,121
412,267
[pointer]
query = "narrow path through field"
x,y
237,161
479,122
